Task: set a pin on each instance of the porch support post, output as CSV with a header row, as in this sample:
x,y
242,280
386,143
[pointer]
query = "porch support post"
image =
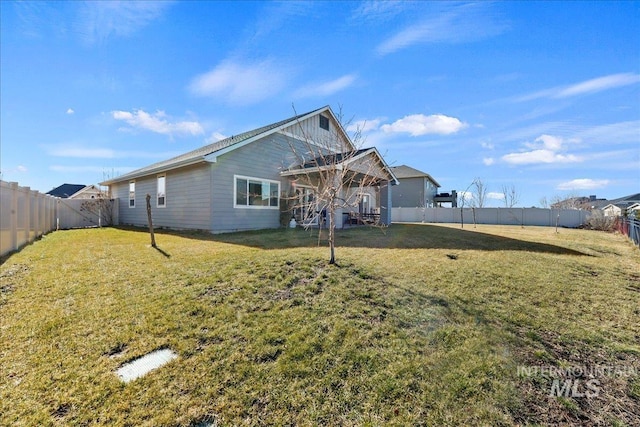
x,y
385,202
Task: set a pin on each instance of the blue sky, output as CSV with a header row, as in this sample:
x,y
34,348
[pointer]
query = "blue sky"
x,y
542,96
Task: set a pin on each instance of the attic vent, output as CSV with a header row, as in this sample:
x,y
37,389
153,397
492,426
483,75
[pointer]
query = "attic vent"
x,y
324,122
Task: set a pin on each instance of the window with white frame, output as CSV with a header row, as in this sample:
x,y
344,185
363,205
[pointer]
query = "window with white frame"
x,y
132,194
162,192
256,193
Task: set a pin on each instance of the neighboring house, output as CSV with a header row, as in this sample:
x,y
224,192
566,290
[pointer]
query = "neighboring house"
x,y
622,209
75,191
616,207
417,189
581,202
623,206
243,182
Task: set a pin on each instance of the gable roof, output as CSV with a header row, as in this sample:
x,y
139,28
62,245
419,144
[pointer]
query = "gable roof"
x,y
623,206
66,190
333,159
209,152
633,198
344,158
404,171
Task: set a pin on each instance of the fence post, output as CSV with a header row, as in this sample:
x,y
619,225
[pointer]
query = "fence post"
x,y
36,214
14,216
27,211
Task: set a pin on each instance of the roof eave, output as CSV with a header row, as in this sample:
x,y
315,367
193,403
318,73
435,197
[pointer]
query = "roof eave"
x,y
160,169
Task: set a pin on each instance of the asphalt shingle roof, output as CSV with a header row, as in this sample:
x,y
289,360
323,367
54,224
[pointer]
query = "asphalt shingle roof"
x,y
66,190
404,171
199,153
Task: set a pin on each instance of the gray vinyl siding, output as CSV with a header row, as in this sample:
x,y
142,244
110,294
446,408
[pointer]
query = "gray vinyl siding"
x,y
188,199
309,129
263,159
409,194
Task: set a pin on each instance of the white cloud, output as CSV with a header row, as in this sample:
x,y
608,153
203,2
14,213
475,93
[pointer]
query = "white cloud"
x,y
326,88
215,137
89,169
364,125
99,20
545,149
17,169
80,152
539,156
598,84
495,196
466,195
378,10
549,142
70,111
419,124
241,84
488,161
460,24
614,133
84,152
158,123
583,184
276,15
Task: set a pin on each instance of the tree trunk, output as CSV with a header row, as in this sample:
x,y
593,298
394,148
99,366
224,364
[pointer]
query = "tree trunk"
x,y
332,236
153,237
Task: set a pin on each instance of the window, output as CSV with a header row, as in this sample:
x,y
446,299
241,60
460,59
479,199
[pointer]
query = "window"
x,y
162,195
132,194
324,122
256,193
306,211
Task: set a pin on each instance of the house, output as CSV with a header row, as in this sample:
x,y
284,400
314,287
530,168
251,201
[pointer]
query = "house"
x,y
75,191
245,181
581,202
621,209
417,189
624,206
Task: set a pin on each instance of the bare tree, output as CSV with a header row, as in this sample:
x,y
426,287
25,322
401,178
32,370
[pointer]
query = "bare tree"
x,y
100,207
543,202
480,194
462,198
332,174
570,201
510,195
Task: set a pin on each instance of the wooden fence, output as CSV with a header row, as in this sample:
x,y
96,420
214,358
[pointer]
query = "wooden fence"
x,y
26,215
629,227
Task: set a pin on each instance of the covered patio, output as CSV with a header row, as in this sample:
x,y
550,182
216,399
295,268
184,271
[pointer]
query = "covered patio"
x,y
357,183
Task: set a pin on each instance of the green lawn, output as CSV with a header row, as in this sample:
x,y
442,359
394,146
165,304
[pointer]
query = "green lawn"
x,y
415,325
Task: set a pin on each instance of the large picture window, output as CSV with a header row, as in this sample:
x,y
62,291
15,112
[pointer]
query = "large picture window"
x,y
256,193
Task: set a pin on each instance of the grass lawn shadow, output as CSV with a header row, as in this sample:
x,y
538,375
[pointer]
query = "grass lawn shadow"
x,y
396,236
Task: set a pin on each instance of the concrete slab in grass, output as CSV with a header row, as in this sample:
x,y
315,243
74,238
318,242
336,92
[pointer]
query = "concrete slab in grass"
x,y
143,365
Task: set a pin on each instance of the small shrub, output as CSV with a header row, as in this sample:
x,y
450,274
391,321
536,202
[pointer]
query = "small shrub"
x,y
599,221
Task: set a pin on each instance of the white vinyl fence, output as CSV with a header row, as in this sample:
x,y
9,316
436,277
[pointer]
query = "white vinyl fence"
x,y
26,214
502,216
